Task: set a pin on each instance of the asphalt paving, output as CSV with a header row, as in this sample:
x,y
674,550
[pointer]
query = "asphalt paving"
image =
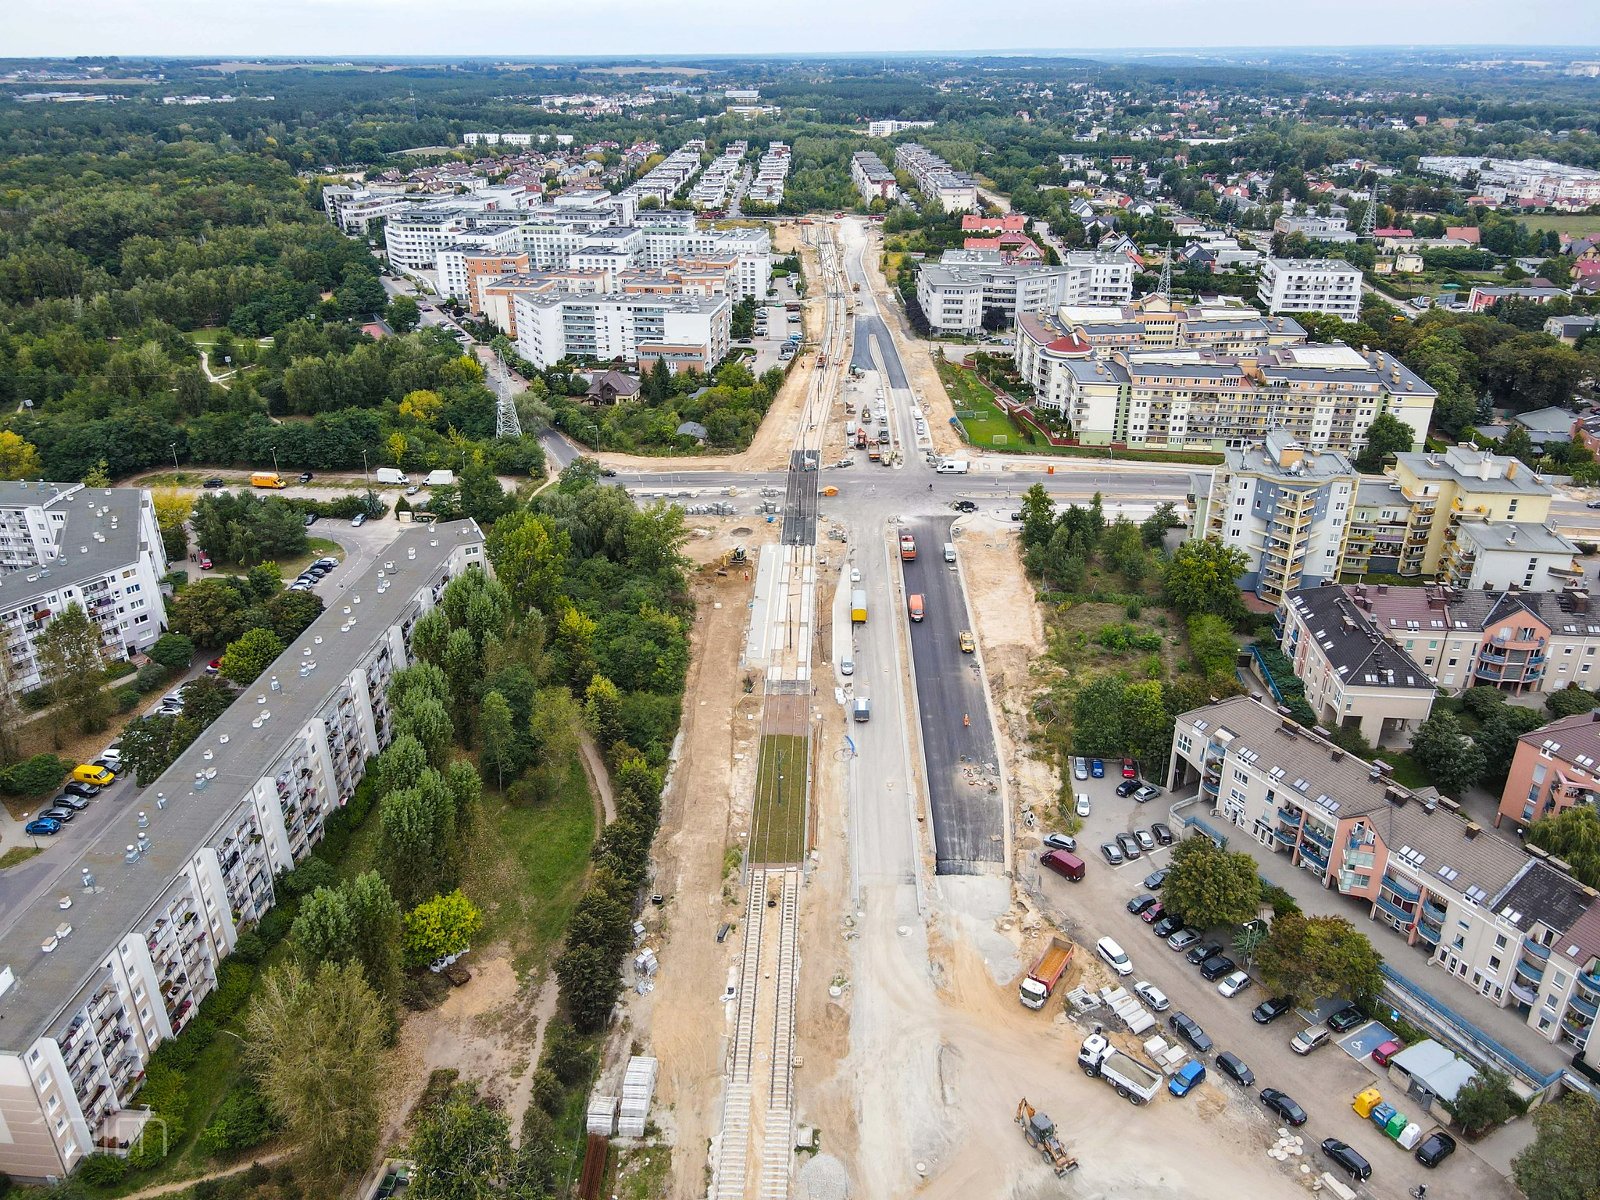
x,y
871,329
800,502
958,742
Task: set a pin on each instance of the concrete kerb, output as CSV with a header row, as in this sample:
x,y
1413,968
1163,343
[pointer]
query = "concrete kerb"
x,y
897,586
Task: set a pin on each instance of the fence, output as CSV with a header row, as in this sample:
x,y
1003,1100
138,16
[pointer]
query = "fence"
x,y
1261,669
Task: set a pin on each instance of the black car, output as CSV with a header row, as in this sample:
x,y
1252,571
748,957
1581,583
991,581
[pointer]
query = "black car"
x,y
1269,1011
1189,1030
1283,1104
1162,834
607,473
1231,1065
1351,1162
87,790
1435,1148
1127,787
1346,1018
1217,966
1204,950
306,476
965,506
1167,926
215,483
1139,903
75,803
1156,880
1129,844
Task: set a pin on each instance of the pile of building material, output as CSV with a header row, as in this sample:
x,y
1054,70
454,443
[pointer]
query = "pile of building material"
x,y
602,1115
1289,1145
1165,1055
1082,1000
638,1089
1134,1015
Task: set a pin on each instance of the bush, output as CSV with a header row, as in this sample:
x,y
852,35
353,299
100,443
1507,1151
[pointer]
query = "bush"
x,y
567,1056
548,1093
249,949
151,677
275,923
34,776
307,878
1280,901
102,1170
127,699
242,1121
234,981
173,651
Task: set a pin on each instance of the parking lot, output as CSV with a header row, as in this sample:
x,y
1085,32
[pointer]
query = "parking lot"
x,y
1323,1082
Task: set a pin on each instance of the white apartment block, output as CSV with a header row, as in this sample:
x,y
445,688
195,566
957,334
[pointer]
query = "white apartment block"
x,y
1510,925
872,179
890,127
1317,229
66,543
937,179
414,239
89,991
716,181
553,325
1320,285
771,172
670,176
955,291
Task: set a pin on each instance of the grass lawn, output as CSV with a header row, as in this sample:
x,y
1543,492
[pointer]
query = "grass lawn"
x,y
18,854
206,336
778,823
1561,222
985,424
1406,770
638,1172
292,566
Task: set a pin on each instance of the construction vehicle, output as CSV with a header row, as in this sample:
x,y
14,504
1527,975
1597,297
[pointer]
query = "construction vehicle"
x,y
1040,1131
1135,1082
732,559
858,606
1035,989
908,548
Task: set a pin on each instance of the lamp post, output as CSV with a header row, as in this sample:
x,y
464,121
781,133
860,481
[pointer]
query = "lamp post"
x,y
173,446
32,836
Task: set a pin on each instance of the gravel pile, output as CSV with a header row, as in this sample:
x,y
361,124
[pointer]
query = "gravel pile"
x,y
823,1178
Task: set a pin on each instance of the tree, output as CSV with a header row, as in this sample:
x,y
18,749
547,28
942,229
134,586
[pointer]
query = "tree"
x,y
427,720
1038,516
1484,1101
1210,886
403,314
173,509
1153,529
419,847
18,459
399,766
529,556
602,709
1203,577
1563,1160
251,654
421,406
1211,645
73,670
590,984
34,776
1570,701
356,922
440,927
1385,436
1574,837
462,1150
98,476
315,1041
173,651
208,611
147,747
1441,748
497,737
1498,740
1318,956
1097,717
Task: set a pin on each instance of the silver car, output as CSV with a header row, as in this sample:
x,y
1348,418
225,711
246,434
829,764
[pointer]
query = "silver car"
x,y
1083,804
1060,841
1146,840
1152,995
1080,768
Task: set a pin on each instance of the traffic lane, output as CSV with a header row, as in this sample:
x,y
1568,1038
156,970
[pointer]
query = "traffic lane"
x,y
958,743
1323,1082
872,329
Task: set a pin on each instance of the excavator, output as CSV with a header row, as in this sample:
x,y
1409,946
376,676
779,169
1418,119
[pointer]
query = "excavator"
x,y
1040,1131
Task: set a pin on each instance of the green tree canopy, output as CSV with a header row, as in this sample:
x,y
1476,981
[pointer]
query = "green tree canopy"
x,y
1441,748
73,669
252,653
1203,577
1563,1160
1312,957
1210,886
1574,837
1385,436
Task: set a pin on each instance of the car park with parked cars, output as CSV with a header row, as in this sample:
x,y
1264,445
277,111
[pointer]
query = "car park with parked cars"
x,y
1080,768
1347,1159
1235,1068
1435,1148
1190,1031
1154,913
1152,995
1129,845
1269,1011
1097,768
1146,840
87,791
1311,1038
1083,808
1284,1106
1161,833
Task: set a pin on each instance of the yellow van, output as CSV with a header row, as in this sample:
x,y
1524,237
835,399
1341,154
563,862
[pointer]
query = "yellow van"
x,y
88,773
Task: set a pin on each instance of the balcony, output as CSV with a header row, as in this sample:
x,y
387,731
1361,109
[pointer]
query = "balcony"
x,y
1286,837
1211,787
1288,816
1433,911
1528,970
1323,839
1529,946
1585,1007
1402,889
1358,860
1389,908
1575,1028
1430,931
1309,852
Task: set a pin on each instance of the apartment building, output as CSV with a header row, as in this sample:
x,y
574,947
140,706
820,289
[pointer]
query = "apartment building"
x,y
1318,229
716,181
1463,485
1285,507
556,324
413,239
1486,912
956,291
497,295
937,179
772,169
98,973
1353,677
1311,285
1520,554
66,543
1225,325
460,272
889,127
671,175
872,179
1555,767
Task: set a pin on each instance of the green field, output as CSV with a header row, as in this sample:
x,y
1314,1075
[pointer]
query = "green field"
x,y
980,416
204,337
778,823
1561,222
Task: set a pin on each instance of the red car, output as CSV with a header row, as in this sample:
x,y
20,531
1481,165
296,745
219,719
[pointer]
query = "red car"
x,y
1385,1052
205,562
213,666
1154,913
1130,769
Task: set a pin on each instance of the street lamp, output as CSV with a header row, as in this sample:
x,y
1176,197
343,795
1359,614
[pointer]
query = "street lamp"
x,y
32,836
364,474
173,446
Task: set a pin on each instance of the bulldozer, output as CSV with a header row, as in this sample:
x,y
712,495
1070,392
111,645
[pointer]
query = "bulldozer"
x,y
1040,1131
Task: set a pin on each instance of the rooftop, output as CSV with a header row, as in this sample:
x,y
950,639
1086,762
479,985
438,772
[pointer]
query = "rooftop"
x,y
1474,470
101,534
1352,645
231,756
1528,537
1542,895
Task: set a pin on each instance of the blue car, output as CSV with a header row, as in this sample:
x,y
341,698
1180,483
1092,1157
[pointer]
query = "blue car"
x,y
1097,769
44,825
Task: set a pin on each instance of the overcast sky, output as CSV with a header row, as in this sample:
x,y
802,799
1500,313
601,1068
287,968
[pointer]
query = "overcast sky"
x,y
641,27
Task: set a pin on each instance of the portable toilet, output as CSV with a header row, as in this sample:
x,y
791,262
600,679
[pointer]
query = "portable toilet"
x,y
1366,1101
1409,1136
1397,1125
1381,1115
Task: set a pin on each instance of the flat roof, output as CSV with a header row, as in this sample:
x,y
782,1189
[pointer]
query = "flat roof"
x,y
110,513
125,894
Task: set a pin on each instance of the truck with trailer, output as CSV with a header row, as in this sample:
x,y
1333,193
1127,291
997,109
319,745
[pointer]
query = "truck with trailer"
x,y
266,479
1135,1082
1042,977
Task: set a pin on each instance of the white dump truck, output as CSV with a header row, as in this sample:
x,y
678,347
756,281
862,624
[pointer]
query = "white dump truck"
x,y
1135,1082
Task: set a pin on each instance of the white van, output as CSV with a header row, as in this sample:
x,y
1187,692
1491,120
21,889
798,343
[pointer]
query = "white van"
x,y
862,709
949,552
1108,949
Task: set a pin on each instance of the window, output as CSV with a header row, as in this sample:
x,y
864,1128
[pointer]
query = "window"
x,y
1500,942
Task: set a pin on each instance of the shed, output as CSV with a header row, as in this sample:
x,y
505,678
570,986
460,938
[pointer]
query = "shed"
x,y
1431,1071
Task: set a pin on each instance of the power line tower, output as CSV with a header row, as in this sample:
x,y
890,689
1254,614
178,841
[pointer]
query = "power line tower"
x,y
506,422
1369,219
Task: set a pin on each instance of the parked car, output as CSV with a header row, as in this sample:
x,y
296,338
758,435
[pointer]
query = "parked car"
x,y
86,790
1130,769
213,666
1060,841
1283,1104
1152,995
306,476
75,803
1312,1038
1146,841
1234,1067
1189,1030
1083,807
1215,967
1269,1011
1183,939
205,561
1154,913
1382,1054
1198,954
1166,926
1146,794
357,521
214,482
1233,983
1161,833
1347,1018
1435,1148
311,519
1080,768
1127,787
1129,844
330,563
1141,902
413,489
855,574
42,827
1097,768
1112,854
1114,956
1156,880
966,506
1348,1159
58,812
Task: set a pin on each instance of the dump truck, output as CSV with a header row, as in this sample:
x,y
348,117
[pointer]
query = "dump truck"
x,y
908,548
858,606
1040,1131
1135,1082
266,479
1045,974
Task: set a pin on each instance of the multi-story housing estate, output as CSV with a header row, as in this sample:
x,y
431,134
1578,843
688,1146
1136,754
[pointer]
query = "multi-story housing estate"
x,y
716,181
684,330
461,270
158,899
957,290
1528,178
1311,285
1318,229
1353,677
1285,507
1462,486
890,127
671,175
1555,767
872,179
67,543
1223,326
937,179
1508,923
771,172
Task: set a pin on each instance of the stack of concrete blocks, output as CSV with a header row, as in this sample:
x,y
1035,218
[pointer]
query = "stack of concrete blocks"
x,y
638,1089
602,1115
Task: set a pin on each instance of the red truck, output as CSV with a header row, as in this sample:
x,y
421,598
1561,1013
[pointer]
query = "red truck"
x,y
908,547
1035,989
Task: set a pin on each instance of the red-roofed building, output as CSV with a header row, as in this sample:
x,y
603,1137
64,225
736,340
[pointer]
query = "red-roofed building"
x,y
1012,247
1392,233
1462,233
1009,223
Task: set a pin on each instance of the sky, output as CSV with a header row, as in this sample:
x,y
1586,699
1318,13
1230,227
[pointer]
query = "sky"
x,y
642,27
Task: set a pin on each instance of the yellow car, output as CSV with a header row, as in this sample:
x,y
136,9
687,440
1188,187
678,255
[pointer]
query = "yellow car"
x,y
87,773
965,638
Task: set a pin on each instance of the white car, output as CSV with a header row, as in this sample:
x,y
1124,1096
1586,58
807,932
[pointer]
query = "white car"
x,y
1232,985
1152,995
1083,804
855,574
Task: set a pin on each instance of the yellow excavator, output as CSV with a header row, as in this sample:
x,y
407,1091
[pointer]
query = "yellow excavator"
x,y
1040,1131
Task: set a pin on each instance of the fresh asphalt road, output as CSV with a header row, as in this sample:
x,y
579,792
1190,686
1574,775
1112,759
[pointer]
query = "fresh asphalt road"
x,y
958,743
